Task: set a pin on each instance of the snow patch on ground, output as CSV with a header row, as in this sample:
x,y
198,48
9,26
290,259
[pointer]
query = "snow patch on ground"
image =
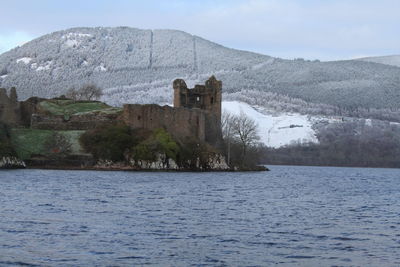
x,y
72,43
45,66
101,68
72,39
24,60
275,130
75,35
4,76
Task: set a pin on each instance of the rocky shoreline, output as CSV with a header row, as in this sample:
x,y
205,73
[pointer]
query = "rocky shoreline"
x,y
128,168
160,165
216,164
11,163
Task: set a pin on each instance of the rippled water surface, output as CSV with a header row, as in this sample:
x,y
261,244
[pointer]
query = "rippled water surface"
x,y
302,216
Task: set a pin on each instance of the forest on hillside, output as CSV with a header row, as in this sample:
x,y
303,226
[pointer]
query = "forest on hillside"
x,y
342,144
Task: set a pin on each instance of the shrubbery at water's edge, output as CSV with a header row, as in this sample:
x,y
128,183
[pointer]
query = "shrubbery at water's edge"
x,y
149,149
158,142
6,148
8,156
109,142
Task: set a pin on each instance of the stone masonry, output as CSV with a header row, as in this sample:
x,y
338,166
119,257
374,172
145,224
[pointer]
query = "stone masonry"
x,y
9,107
196,113
180,122
207,97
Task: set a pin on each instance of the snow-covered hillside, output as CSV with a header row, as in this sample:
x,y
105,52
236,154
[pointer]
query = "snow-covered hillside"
x,y
387,60
275,130
134,65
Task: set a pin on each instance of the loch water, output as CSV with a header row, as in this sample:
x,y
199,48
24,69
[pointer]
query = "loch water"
x,y
290,216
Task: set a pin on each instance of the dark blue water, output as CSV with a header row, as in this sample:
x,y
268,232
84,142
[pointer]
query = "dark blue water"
x,y
292,216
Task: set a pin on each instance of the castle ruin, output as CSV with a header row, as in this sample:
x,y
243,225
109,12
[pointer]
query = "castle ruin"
x,y
196,114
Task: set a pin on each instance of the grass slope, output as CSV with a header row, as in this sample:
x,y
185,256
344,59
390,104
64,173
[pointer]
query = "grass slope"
x,y
28,142
70,107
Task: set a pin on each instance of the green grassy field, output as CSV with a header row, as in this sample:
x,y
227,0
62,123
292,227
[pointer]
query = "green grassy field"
x,y
70,107
31,141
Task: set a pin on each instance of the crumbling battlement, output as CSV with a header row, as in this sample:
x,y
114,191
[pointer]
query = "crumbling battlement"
x,y
207,97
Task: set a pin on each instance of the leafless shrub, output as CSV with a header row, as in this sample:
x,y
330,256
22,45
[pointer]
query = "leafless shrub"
x,y
87,92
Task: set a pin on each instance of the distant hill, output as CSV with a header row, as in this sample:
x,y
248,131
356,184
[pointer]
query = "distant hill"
x,y
134,65
387,60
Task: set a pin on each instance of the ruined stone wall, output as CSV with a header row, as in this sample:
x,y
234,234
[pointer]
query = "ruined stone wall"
x,y
180,122
27,109
9,107
74,122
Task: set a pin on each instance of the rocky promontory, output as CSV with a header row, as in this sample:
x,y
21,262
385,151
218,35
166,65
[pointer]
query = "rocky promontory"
x,y
77,132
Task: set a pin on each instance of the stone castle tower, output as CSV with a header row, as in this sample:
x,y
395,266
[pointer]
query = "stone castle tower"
x,y
206,97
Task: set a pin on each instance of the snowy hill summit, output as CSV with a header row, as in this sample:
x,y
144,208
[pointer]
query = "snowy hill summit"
x,y
134,65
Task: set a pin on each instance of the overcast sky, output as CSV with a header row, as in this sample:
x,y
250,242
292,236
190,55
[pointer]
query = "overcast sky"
x,y
311,29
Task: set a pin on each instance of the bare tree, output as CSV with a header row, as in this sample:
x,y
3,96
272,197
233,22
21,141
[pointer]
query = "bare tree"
x,y
72,93
86,92
90,92
238,130
245,129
